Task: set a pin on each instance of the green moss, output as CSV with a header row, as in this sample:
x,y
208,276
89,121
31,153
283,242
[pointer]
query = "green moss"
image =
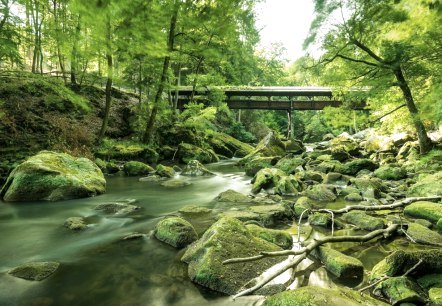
x,y
425,210
439,224
321,193
53,176
175,231
229,145
165,171
289,164
363,221
188,152
35,270
228,238
427,185
252,166
340,264
232,196
390,173
301,205
399,290
271,145
135,168
320,219
354,166
435,295
430,280
126,150
317,296
278,237
423,235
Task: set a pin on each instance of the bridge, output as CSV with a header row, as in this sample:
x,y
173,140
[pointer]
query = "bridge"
x,y
266,98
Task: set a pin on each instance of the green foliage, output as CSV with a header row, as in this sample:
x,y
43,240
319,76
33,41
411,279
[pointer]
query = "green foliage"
x,y
198,117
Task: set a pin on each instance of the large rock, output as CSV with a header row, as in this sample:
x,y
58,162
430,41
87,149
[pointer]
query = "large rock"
x,y
435,295
356,165
390,173
340,264
228,146
195,168
399,262
344,145
281,238
75,223
399,290
117,208
363,221
188,152
228,238
35,270
370,187
127,151
290,164
175,231
165,171
317,296
53,176
427,185
136,168
253,165
294,146
275,178
423,235
270,215
424,210
321,193
271,145
232,196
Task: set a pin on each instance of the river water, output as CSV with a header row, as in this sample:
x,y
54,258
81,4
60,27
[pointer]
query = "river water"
x,y
97,267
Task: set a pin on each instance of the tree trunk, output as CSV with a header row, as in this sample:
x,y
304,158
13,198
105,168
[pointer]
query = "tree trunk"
x,y
74,54
147,136
108,82
424,141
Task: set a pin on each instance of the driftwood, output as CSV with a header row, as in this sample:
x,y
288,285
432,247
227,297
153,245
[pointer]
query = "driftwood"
x,y
304,251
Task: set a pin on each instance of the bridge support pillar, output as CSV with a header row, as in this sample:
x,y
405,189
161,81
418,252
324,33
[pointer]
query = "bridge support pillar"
x,y
289,124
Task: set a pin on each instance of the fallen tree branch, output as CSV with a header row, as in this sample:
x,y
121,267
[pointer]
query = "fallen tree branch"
x,y
302,254
397,204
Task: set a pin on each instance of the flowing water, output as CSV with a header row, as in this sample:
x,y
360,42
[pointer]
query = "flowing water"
x,y
97,267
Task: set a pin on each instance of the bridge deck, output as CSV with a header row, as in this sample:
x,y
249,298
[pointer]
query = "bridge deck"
x,y
278,98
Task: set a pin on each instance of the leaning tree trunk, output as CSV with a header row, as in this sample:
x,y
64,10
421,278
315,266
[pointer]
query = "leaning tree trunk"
x,y
108,82
424,141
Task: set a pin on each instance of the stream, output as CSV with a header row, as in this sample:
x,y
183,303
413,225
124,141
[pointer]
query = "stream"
x,y
98,268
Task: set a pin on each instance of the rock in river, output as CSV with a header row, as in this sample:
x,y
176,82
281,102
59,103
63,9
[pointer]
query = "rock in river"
x,y
227,238
53,176
35,270
175,231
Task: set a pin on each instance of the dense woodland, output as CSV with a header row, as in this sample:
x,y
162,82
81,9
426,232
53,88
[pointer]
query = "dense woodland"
x,y
96,79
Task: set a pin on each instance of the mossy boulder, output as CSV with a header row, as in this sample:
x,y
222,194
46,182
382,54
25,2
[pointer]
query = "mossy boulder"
x,y
117,208
281,238
252,166
175,183
390,173
430,280
439,224
136,168
310,175
354,197
35,271
175,231
339,264
321,193
363,221
328,166
301,205
427,185
232,196
277,179
188,152
195,168
317,296
270,215
75,223
435,295
369,187
227,238
320,219
165,171
226,145
290,164
423,235
399,290
344,144
271,145
356,165
424,210
294,146
193,210
399,262
53,176
125,150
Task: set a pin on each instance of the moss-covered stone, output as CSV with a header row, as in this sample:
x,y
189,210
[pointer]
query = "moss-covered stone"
x,y
399,262
344,144
430,280
272,177
320,219
228,146
232,196
310,175
281,238
252,166
439,224
321,193
302,204
195,168
427,185
340,264
188,152
126,150
193,210
175,231
288,185
370,187
356,165
328,166
349,190
175,183
53,176
117,208
354,197
424,235
425,210
435,295
75,223
227,238
35,271
136,168
294,146
165,171
269,215
390,173
317,296
271,145
363,221
241,215
399,290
